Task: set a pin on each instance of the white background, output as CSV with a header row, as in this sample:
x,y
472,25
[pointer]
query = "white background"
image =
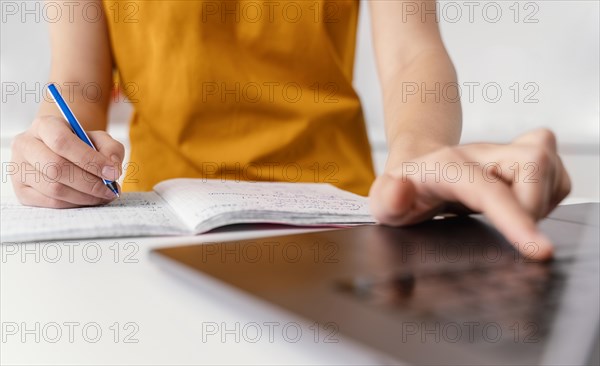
x,y
559,53
550,48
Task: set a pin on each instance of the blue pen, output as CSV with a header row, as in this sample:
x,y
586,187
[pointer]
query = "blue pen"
x,y
76,127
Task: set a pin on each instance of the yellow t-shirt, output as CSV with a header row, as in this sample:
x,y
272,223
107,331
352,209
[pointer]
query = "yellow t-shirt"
x,y
241,89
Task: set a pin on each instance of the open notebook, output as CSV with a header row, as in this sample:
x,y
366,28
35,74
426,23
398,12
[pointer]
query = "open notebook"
x,y
188,206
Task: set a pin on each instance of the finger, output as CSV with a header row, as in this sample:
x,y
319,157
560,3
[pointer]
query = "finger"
x,y
539,137
30,197
498,203
391,199
108,146
58,169
61,140
535,178
529,170
562,186
61,192
552,183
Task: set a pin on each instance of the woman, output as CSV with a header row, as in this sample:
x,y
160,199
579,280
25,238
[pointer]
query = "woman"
x,y
262,90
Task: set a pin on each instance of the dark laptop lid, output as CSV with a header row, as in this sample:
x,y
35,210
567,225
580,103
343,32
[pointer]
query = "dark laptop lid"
x,y
449,291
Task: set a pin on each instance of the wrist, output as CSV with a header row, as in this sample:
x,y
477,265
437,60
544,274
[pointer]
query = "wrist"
x,y
410,147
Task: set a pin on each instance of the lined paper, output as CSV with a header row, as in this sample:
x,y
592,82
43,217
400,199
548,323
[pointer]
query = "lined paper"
x,y
134,214
205,204
187,206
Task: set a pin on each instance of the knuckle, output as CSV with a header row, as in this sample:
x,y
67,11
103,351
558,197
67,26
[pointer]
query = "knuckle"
x,y
58,142
91,161
57,190
120,149
565,187
546,137
453,155
37,122
116,148
43,124
17,142
540,156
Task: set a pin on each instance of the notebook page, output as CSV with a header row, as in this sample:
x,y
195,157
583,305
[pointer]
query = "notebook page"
x,y
133,214
200,200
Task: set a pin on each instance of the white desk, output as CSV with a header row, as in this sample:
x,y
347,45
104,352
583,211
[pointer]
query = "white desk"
x,y
166,316
168,313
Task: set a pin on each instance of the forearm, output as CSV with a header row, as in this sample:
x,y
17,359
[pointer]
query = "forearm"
x,y
87,103
422,107
81,67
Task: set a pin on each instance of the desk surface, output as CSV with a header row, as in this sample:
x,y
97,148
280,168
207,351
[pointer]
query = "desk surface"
x,y
55,297
93,302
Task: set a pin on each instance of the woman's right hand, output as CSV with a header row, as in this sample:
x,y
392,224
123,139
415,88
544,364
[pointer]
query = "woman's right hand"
x,y
58,170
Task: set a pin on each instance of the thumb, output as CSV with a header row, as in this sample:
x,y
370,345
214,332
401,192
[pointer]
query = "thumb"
x,y
391,199
109,147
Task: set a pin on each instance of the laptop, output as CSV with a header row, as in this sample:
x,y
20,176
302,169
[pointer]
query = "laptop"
x,y
448,291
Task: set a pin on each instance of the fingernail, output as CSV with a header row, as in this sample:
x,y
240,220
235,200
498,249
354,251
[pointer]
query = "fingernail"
x,y
109,172
115,159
